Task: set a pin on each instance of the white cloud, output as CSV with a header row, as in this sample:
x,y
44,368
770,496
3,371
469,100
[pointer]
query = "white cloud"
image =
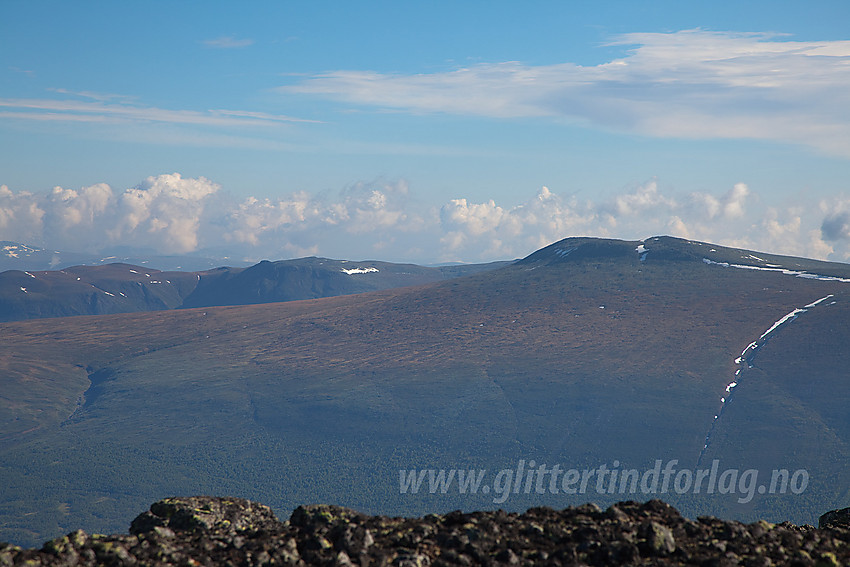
x,y
644,198
163,212
490,231
101,111
383,220
688,84
362,219
731,205
483,231
20,214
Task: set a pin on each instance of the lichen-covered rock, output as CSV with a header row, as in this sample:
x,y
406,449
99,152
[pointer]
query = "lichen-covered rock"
x,y
207,531
206,513
835,518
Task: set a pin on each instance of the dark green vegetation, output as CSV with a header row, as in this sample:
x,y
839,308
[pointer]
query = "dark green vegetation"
x,y
581,354
125,288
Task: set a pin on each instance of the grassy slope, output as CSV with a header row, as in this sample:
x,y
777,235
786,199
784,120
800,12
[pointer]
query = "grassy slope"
x,y
325,400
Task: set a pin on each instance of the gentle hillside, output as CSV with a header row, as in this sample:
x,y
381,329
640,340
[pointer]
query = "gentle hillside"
x,y
589,352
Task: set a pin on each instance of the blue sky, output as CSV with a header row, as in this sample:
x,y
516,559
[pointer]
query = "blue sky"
x,y
423,132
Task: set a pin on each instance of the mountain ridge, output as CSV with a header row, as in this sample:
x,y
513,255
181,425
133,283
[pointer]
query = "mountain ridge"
x,y
549,359
23,257
127,288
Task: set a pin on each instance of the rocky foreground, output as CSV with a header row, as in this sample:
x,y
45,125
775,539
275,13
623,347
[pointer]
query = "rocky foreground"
x,y
232,531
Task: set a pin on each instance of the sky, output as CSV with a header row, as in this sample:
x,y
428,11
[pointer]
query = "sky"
x,y
423,132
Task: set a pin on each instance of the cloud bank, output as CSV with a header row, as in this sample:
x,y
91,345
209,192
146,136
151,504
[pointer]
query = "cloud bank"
x,y
690,84
170,214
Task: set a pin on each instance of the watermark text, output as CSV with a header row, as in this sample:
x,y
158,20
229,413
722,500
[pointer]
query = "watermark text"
x,y
664,478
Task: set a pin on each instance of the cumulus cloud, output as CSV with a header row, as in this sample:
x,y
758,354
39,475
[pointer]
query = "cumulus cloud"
x,y
645,198
71,215
383,220
163,212
734,218
20,214
731,205
491,231
361,219
687,84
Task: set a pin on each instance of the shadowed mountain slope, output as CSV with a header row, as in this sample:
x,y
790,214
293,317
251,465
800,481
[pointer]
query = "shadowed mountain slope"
x,y
91,290
588,352
311,278
125,288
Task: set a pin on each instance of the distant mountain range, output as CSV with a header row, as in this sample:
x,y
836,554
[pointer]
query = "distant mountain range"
x,y
633,355
17,256
127,288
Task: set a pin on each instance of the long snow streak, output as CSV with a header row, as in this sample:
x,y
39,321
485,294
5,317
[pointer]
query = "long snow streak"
x,y
780,270
744,362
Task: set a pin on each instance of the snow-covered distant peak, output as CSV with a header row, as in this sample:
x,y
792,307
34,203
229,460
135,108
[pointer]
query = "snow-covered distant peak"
x,y
359,270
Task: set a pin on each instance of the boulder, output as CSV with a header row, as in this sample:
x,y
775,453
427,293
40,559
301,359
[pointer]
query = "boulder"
x,y
835,518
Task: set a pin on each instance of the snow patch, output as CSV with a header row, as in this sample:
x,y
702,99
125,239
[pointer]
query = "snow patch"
x,y
359,270
796,273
